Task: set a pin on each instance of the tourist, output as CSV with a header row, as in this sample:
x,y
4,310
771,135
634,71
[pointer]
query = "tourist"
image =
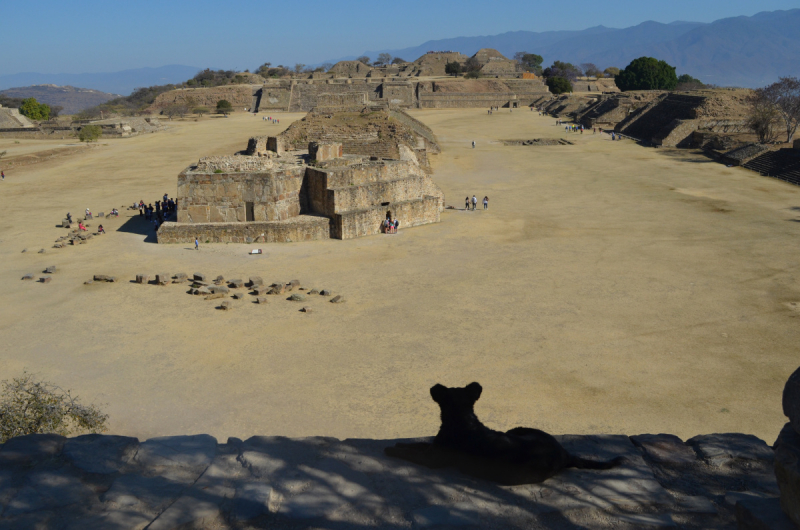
x,y
3,174
80,226
486,202
473,144
466,205
396,225
100,230
196,243
474,202
88,214
69,217
613,136
166,196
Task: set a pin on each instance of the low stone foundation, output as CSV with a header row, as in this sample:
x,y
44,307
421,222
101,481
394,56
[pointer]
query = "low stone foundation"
x,y
301,228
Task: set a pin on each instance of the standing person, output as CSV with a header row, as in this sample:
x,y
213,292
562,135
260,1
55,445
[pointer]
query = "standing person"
x,y
474,202
196,243
486,202
3,173
473,144
466,203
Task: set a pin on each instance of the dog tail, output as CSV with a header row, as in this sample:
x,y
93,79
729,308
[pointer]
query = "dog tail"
x,y
583,463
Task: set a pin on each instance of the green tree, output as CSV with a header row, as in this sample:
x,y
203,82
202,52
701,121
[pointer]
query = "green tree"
x,y
224,106
452,68
647,73
611,71
559,85
200,110
363,59
529,61
90,133
398,60
30,406
34,110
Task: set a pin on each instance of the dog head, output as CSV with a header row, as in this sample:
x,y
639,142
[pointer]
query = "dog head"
x,y
456,400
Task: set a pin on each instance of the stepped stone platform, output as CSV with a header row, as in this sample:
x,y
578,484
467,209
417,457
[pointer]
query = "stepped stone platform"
x,y
275,192
117,482
783,164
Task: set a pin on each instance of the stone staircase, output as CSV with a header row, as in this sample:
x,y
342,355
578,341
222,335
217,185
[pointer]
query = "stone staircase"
x,y
783,164
660,117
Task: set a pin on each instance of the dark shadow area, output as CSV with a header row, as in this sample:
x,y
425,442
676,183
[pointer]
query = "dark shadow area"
x,y
686,155
138,225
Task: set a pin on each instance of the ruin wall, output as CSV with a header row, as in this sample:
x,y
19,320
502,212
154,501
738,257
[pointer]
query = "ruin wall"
x,y
240,96
358,223
303,228
223,197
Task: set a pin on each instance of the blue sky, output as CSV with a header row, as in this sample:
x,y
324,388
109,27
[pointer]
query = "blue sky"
x,y
56,36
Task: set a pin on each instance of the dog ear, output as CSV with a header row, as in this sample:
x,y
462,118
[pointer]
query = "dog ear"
x,y
437,392
474,391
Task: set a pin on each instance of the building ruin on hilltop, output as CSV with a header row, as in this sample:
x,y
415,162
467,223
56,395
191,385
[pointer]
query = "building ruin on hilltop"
x,y
360,166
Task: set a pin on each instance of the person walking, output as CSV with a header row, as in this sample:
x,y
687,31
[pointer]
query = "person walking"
x,y
474,202
3,173
196,243
486,202
466,203
473,144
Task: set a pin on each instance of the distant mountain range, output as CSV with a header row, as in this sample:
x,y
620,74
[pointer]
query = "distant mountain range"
x,y
123,82
740,51
70,98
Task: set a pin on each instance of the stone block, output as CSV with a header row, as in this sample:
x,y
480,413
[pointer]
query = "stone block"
x,y
218,289
50,270
251,501
193,510
255,281
104,278
238,296
262,290
665,448
199,277
295,284
226,306
49,490
142,278
97,453
313,291
297,298
261,300
791,400
45,279
155,493
31,449
723,449
338,299
163,278
28,277
215,296
41,251
236,284
325,292
307,310
761,514
180,277
201,291
219,280
787,471
188,455
277,289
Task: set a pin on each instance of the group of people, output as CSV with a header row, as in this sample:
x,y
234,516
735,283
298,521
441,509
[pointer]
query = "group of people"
x,y
271,119
390,225
163,209
474,203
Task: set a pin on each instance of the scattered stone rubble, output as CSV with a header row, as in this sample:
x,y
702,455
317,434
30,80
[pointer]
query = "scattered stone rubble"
x,y
538,141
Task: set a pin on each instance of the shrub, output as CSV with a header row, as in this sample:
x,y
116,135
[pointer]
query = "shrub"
x,y
475,74
90,133
559,85
224,106
452,68
34,110
30,406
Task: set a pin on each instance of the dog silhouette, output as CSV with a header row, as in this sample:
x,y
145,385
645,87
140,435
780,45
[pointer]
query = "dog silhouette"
x,y
519,456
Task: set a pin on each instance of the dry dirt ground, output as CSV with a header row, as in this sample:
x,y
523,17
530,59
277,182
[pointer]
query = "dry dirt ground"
x,y
609,288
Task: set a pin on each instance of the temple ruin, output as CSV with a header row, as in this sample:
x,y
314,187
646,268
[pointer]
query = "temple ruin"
x,y
336,174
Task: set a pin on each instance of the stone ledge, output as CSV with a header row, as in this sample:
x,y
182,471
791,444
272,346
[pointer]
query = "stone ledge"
x,y
100,481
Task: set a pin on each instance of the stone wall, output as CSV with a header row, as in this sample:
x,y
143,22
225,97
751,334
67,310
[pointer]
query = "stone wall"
x,y
240,96
223,197
302,228
359,223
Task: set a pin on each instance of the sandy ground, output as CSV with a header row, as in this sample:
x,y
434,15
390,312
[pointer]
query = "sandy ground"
x,y
609,288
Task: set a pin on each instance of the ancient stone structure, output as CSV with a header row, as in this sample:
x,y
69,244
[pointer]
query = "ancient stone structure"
x,y
12,119
343,189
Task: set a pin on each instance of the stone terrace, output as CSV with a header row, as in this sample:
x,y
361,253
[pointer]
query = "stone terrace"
x,y
116,482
